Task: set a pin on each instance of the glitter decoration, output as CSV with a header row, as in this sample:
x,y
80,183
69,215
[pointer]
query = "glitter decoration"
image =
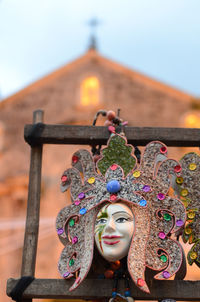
x,y
166,274
136,174
91,180
161,196
161,235
60,231
117,152
146,188
192,166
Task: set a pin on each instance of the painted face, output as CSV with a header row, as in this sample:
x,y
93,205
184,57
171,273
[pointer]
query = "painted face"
x,y
114,230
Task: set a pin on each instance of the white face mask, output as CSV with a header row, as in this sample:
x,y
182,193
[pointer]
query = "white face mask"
x,y
114,230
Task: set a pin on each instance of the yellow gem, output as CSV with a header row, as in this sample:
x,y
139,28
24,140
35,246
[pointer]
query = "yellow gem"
x,y
193,255
191,215
91,180
179,180
188,231
184,192
192,166
136,174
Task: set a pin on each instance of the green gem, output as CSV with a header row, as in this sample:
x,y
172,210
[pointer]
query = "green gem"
x,y
167,217
163,258
71,262
71,222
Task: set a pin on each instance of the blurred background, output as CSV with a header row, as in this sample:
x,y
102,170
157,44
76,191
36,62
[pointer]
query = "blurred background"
x,y
71,58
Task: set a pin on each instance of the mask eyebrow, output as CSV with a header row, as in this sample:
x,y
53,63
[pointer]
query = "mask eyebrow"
x,y
122,212
103,214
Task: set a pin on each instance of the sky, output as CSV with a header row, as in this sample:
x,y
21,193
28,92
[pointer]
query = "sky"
x,y
159,38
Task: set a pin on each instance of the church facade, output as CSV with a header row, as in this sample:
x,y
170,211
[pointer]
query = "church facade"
x,y
70,95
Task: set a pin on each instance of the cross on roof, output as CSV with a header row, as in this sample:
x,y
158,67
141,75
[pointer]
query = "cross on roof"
x,y
93,23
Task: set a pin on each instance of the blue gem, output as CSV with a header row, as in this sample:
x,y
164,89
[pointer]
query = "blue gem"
x,y
114,294
113,186
82,211
127,293
143,202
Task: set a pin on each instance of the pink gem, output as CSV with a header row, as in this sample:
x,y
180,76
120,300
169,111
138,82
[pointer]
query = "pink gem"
x,y
113,167
163,150
162,235
74,240
77,202
113,197
177,169
111,129
64,178
161,196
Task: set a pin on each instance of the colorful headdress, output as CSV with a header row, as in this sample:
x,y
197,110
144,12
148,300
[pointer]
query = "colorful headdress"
x,y
144,187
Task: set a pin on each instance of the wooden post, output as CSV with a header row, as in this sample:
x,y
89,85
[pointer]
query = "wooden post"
x,y
33,207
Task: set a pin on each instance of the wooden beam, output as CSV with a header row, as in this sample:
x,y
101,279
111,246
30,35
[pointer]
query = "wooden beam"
x,y
99,289
95,135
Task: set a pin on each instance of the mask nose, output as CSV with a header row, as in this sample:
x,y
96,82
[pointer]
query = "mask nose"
x,y
110,225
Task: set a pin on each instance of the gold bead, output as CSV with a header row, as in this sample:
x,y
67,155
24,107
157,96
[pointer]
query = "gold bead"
x,y
184,192
91,180
179,180
192,166
188,231
136,174
193,255
191,214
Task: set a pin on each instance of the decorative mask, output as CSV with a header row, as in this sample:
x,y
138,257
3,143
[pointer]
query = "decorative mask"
x,y
140,192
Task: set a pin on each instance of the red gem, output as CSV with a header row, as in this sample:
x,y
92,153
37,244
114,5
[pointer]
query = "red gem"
x,y
75,159
140,282
163,149
64,178
177,168
113,167
113,197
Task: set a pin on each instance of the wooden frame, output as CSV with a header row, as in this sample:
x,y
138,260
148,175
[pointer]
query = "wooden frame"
x,y
38,134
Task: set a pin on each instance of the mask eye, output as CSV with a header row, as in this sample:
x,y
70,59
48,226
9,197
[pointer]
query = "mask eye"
x,y
121,219
101,221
